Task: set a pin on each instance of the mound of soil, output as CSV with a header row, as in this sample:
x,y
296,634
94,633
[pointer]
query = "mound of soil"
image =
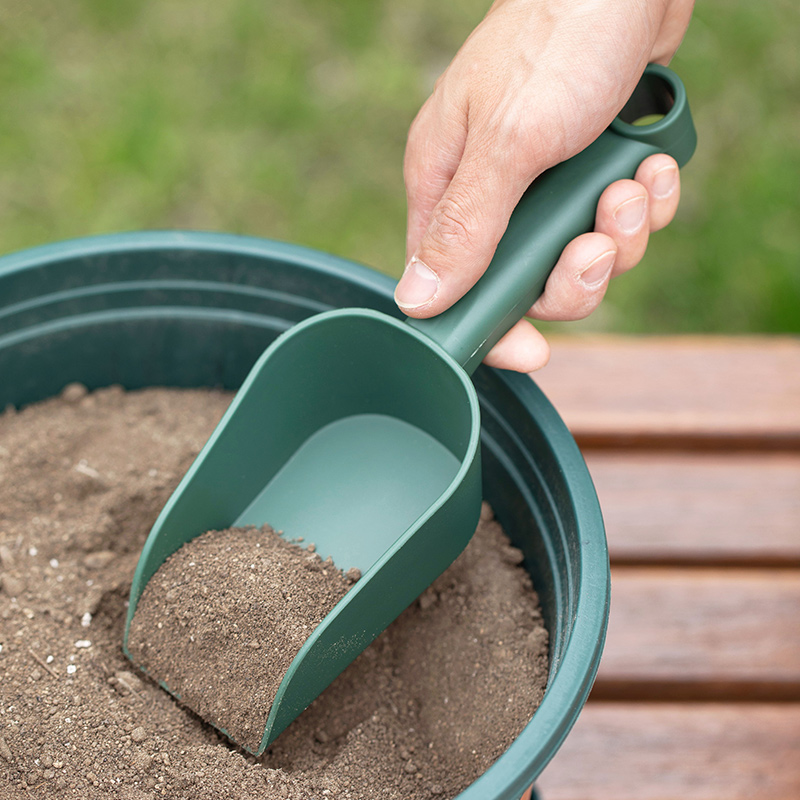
x,y
223,618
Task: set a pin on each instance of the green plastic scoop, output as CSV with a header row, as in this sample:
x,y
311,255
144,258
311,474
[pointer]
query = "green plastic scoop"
x,y
361,432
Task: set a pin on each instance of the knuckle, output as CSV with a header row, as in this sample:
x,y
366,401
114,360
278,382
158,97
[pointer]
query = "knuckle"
x,y
450,224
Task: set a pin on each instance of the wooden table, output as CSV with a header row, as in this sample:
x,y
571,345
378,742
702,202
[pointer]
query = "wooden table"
x,y
694,446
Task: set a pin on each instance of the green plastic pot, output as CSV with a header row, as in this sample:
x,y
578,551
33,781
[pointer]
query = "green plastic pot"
x,y
192,310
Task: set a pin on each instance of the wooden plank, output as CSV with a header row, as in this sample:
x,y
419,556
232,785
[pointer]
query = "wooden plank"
x,y
702,634
718,390
621,751
690,508
705,551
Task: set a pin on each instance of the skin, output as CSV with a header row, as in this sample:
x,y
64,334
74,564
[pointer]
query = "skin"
x,y
535,83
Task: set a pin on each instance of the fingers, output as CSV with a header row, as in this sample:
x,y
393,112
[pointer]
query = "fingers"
x,y
628,211
522,349
434,150
623,214
579,280
626,214
660,177
460,238
451,254
461,191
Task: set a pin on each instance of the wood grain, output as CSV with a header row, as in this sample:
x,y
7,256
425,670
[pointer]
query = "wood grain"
x,y
677,390
702,633
622,751
699,508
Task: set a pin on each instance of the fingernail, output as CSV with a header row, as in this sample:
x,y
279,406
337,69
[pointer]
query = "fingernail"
x,y
597,271
630,214
417,287
664,182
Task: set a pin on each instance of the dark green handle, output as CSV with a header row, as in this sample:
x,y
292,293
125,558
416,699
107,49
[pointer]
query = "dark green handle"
x,y
560,205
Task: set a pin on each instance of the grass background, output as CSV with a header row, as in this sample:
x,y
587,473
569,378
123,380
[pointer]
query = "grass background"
x,y
288,120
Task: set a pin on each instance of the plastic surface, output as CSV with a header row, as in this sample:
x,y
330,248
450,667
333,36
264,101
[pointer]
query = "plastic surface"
x,y
559,206
361,433
337,437
166,309
190,309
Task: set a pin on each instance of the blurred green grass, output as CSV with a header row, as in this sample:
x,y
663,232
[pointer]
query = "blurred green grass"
x,y
288,121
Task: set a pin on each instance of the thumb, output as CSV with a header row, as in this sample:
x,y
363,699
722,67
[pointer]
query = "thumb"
x,y
460,238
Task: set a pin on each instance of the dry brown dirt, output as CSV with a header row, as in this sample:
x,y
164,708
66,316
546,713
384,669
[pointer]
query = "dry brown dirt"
x,y
423,712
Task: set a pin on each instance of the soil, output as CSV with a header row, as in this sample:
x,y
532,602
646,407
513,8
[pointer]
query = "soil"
x,y
224,617
425,710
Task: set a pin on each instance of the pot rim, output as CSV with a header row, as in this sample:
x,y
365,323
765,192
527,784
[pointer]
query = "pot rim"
x,y
574,670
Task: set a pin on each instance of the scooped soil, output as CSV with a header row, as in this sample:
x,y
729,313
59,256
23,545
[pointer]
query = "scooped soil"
x,y
223,618
425,710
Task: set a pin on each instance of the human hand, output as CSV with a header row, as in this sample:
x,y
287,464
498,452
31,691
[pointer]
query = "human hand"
x,y
534,84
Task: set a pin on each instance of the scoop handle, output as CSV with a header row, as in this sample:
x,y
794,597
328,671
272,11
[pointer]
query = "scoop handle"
x,y
558,206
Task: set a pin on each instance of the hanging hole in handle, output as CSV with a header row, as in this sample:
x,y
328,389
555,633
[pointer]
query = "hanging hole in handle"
x,y
659,100
650,102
